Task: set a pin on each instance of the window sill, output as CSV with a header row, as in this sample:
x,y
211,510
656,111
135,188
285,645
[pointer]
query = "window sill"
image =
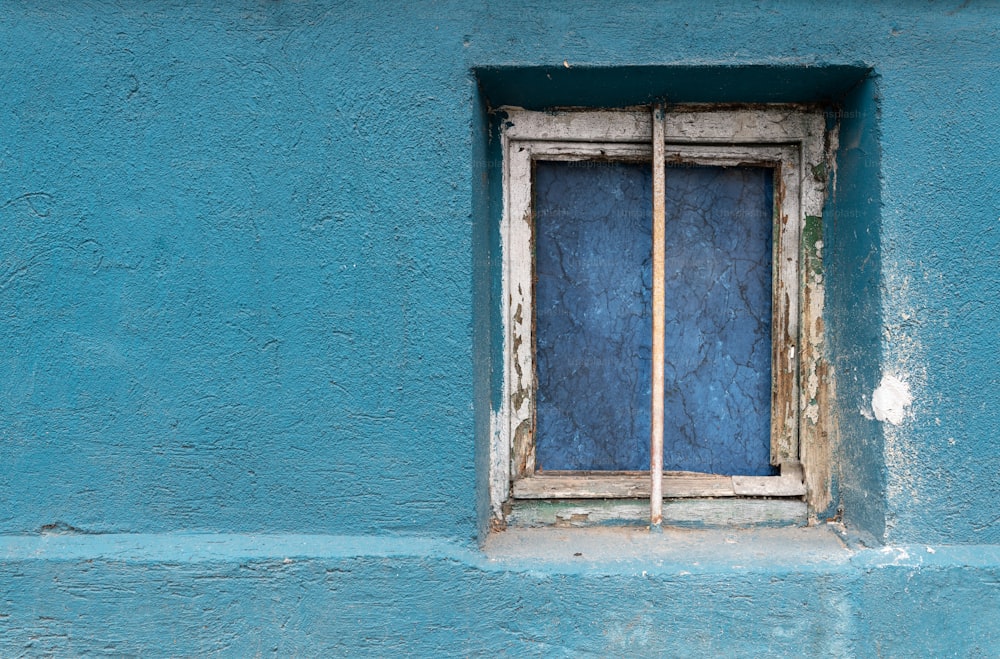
x,y
673,550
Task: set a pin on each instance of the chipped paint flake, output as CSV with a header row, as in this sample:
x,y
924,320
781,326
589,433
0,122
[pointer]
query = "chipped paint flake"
x,y
890,400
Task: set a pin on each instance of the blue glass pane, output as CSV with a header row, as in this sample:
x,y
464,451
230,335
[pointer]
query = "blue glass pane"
x,y
718,322
593,243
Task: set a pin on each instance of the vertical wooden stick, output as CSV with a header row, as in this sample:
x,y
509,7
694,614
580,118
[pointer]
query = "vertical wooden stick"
x,y
659,315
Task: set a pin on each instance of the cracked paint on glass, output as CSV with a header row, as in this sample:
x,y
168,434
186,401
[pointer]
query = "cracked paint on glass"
x,y
593,317
717,358
593,314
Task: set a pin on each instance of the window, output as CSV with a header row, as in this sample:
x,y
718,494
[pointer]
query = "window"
x,y
662,297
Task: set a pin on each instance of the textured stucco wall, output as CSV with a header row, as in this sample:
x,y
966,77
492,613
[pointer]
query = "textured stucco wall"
x,y
361,596
245,288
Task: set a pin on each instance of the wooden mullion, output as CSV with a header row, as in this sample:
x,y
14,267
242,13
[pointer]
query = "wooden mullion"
x,y
659,320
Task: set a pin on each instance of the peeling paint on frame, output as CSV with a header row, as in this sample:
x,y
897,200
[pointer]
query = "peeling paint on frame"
x,y
794,140
818,423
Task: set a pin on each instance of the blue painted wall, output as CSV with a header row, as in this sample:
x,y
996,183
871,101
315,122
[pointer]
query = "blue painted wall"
x,y
247,286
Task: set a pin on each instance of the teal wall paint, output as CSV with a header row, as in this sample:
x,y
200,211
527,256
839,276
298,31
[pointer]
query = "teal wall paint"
x,y
247,285
236,290
485,253
852,264
940,234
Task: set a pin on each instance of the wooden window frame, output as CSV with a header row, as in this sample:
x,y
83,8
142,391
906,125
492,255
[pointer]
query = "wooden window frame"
x,y
791,140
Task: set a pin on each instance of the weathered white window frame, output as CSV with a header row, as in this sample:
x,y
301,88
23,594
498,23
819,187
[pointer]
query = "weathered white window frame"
x,y
792,140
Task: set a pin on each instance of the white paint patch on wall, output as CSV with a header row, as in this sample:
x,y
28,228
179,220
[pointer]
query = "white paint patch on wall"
x,y
890,400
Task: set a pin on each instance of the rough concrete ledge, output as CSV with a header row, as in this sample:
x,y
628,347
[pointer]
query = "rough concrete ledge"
x,y
218,547
551,592
592,550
